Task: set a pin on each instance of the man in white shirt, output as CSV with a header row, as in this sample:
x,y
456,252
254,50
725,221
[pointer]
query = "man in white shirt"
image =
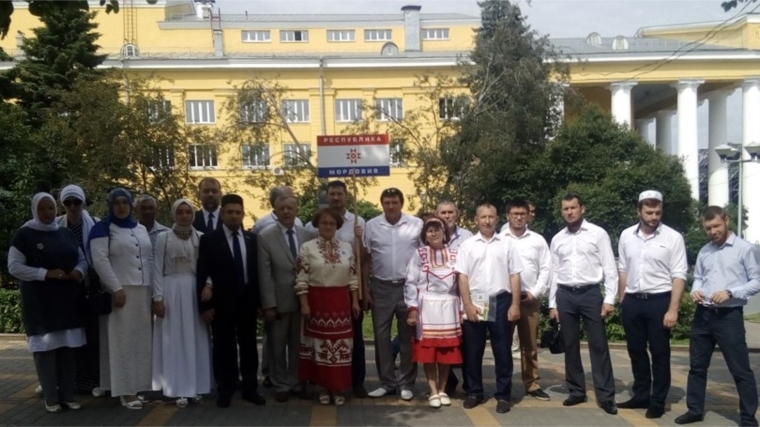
x,y
449,213
337,194
489,275
390,240
652,268
534,282
516,354
582,258
210,194
271,218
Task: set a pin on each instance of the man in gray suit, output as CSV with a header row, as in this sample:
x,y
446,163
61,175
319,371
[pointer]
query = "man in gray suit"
x,y
278,249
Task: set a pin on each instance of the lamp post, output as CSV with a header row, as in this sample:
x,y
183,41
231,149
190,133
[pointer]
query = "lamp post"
x,y
730,154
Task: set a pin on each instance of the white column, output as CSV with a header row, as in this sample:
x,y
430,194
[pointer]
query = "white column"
x,y
621,102
717,172
642,128
664,132
751,173
687,148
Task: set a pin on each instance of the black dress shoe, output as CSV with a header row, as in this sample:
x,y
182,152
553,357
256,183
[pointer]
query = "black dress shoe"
x,y
472,401
502,407
689,417
655,411
223,401
268,382
254,398
574,400
633,404
282,396
609,407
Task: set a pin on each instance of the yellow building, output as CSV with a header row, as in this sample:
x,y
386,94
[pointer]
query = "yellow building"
x,y
332,63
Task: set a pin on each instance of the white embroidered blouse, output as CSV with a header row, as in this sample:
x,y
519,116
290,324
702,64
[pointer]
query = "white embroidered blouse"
x,y
325,263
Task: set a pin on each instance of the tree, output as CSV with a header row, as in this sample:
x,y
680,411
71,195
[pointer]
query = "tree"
x,y
731,4
45,7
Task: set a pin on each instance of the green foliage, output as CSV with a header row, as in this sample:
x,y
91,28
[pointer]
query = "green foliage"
x,y
10,312
42,8
731,4
310,205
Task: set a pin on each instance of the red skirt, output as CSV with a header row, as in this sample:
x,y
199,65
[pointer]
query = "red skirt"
x,y
327,341
424,353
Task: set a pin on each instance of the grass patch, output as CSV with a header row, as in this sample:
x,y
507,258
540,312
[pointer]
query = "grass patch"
x,y
755,318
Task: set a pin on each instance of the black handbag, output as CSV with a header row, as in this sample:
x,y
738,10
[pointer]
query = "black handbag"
x,y
552,338
97,302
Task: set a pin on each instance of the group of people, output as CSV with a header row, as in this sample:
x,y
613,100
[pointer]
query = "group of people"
x,y
200,285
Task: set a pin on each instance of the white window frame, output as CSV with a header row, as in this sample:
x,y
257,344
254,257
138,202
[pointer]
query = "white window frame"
x,y
256,36
260,156
348,110
389,109
165,157
397,153
200,112
158,108
446,105
199,160
295,155
255,112
289,36
341,35
378,35
435,34
296,110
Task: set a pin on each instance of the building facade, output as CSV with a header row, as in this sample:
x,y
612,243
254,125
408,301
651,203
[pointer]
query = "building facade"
x,y
329,64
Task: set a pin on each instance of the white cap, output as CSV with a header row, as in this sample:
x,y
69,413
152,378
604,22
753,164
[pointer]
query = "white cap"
x,y
650,194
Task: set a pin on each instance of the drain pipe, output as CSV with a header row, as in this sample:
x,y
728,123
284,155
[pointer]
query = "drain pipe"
x,y
322,94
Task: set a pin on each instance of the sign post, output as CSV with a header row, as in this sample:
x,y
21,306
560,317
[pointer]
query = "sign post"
x,y
341,156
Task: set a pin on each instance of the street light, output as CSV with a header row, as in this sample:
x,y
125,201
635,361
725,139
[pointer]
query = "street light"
x,y
731,154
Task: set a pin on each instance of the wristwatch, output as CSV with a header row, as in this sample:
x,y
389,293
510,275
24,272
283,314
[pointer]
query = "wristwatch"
x,y
729,293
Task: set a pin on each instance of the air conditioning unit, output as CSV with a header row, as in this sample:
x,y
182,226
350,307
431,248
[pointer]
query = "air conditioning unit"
x,y
278,171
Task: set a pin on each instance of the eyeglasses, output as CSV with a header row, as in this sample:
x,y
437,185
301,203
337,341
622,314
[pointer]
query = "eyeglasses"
x,y
69,202
518,214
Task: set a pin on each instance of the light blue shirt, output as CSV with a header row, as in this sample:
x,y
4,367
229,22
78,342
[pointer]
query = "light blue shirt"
x,y
735,266
459,236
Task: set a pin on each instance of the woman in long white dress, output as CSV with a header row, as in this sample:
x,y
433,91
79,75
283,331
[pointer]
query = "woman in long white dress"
x,y
181,347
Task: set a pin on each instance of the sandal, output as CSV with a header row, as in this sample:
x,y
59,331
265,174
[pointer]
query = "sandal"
x,y
445,399
181,402
324,398
340,400
134,404
434,401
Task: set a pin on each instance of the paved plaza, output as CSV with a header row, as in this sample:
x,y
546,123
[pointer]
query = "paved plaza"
x,y
20,406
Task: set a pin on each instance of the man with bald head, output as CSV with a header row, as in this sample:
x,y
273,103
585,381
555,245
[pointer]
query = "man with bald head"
x,y
271,218
448,211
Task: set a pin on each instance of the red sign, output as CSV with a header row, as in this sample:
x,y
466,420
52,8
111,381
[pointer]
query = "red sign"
x,y
338,140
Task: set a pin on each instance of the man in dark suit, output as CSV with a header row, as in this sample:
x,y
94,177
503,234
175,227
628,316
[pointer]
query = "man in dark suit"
x,y
210,195
228,291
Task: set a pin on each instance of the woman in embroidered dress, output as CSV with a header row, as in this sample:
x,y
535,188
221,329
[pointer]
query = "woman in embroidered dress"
x,y
181,348
327,287
50,265
433,300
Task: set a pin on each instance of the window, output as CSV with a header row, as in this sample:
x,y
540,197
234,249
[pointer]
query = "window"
x,y
163,158
397,153
255,111
158,110
389,49
435,34
296,110
341,35
296,155
200,112
348,110
262,36
130,50
255,156
389,109
377,35
202,156
294,36
451,108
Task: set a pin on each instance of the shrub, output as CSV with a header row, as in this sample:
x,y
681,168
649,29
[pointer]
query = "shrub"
x,y
10,311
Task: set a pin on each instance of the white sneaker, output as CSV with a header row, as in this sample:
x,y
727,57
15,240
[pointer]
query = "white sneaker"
x,y
379,392
407,395
98,392
38,390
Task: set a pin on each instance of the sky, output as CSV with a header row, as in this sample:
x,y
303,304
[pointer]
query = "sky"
x,y
557,18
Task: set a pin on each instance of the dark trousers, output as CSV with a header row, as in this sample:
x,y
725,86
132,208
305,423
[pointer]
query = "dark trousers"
x,y
233,329
643,323
585,303
55,370
474,333
358,357
725,327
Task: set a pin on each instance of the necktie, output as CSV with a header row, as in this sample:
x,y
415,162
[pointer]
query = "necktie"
x,y
237,254
292,244
210,223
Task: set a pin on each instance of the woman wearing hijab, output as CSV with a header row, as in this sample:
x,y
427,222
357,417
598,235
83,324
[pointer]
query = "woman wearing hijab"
x,y
122,254
50,265
79,221
181,346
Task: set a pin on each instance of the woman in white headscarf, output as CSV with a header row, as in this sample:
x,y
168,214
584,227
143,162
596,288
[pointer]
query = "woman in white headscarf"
x,y
181,346
50,265
79,221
